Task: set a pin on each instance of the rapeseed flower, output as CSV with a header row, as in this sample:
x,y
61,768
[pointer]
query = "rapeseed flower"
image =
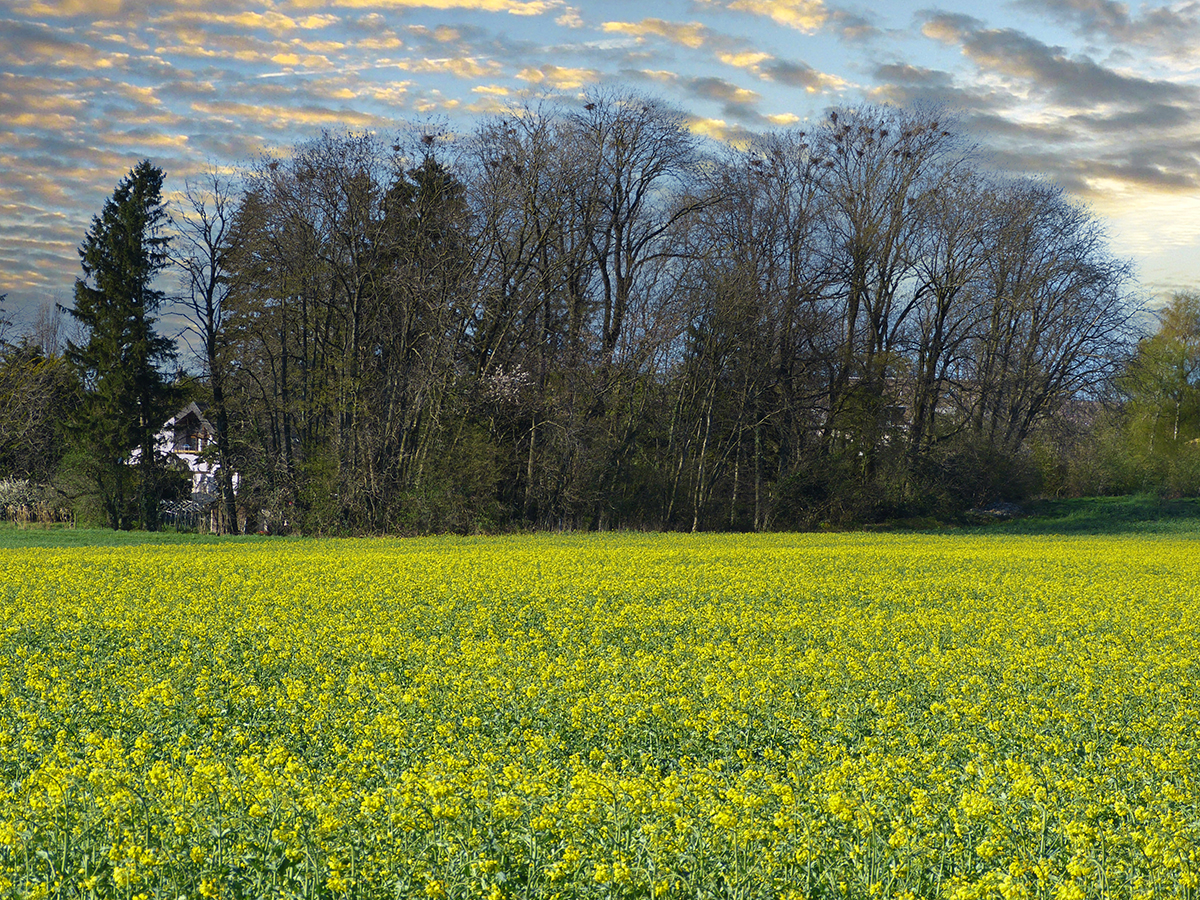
x,y
603,716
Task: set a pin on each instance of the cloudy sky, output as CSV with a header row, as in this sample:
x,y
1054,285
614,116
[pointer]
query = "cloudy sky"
x,y
1102,97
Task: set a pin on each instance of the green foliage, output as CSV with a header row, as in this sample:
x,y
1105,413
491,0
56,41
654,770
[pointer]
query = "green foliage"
x,y
37,390
1160,440
125,398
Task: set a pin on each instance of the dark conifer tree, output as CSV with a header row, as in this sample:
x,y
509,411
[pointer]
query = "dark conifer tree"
x,y
126,397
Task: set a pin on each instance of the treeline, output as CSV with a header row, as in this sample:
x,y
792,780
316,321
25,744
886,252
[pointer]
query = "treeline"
x,y
581,316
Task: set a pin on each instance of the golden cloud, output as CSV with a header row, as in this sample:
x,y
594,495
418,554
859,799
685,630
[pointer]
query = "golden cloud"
x,y
939,29
141,139
129,40
281,117
488,105
744,60
664,75
742,95
718,129
271,21
394,94
558,77
191,43
803,15
436,102
689,34
95,9
137,93
570,18
62,54
463,67
827,82
320,46
49,121
512,7
380,43
41,95
313,23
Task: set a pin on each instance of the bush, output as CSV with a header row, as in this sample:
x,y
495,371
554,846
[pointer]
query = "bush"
x,y
25,502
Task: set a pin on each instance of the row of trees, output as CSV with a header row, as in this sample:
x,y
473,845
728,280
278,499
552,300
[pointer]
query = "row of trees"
x,y
581,316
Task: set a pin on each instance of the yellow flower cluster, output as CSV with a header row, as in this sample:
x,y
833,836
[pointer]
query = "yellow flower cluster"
x,y
603,716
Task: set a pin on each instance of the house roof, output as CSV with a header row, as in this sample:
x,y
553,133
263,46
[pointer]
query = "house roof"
x,y
190,409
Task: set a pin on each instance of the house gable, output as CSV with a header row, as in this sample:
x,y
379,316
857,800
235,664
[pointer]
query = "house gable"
x,y
188,431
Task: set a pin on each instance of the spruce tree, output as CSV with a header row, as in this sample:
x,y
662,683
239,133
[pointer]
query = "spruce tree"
x,y
126,397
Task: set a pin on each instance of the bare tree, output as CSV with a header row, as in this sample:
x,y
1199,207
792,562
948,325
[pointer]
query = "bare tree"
x,y
1060,320
877,165
528,326
204,220
746,373
635,157
949,262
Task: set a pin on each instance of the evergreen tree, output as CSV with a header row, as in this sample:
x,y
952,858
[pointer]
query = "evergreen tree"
x,y
126,398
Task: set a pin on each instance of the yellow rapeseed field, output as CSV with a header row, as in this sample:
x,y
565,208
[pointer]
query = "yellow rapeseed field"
x,y
603,716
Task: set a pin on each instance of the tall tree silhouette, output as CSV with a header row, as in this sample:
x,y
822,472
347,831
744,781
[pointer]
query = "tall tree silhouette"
x,y
126,397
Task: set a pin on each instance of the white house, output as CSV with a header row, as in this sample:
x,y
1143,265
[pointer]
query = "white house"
x,y
185,436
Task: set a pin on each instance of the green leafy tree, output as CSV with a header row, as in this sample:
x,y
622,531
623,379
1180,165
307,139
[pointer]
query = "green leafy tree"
x,y
126,398
1162,387
36,391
